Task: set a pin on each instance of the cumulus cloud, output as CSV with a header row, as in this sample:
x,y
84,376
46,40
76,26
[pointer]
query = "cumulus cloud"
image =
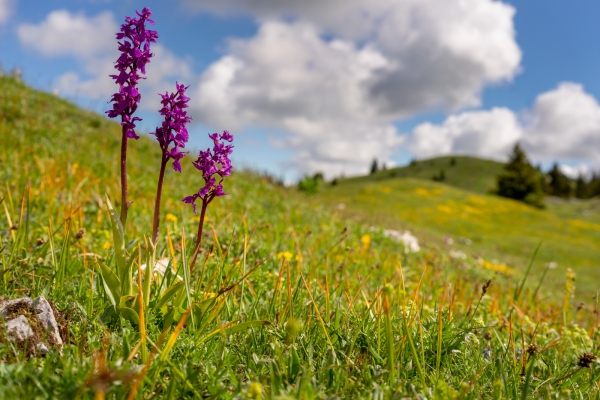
x,y
63,33
337,74
562,125
576,171
6,10
91,41
488,134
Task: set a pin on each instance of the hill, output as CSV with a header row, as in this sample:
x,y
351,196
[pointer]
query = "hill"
x,y
288,300
495,227
464,172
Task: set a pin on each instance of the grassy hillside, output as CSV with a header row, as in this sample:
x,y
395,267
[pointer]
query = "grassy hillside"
x,y
288,299
468,173
498,228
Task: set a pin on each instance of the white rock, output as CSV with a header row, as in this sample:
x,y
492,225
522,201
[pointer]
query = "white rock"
x,y
7,306
19,329
46,318
42,349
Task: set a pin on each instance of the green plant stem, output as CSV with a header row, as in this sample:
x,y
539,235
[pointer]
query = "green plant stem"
x,y
159,187
520,288
124,205
413,348
199,235
389,340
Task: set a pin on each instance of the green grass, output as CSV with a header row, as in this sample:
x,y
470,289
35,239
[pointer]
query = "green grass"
x,y
500,229
329,309
464,172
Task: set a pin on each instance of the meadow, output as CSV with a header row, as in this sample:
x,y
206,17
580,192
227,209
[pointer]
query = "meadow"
x,y
484,227
289,298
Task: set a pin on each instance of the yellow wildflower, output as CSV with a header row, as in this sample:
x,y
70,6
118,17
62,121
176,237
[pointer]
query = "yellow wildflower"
x,y
366,241
106,245
285,255
503,269
171,218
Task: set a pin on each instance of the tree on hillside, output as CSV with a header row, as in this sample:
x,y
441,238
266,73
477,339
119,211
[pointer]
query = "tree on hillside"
x,y
593,186
520,181
559,184
582,189
374,167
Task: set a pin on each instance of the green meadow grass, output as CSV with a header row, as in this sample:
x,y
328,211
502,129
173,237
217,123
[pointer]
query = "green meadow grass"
x,y
500,229
464,172
305,304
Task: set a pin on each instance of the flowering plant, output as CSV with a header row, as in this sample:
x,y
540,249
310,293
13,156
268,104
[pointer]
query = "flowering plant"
x,y
172,136
131,64
211,164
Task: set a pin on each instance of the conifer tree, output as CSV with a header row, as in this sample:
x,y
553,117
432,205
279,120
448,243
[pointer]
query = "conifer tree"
x,y
520,181
374,167
559,184
582,189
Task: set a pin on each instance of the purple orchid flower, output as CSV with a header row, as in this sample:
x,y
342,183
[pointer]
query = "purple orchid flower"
x,y
134,45
213,165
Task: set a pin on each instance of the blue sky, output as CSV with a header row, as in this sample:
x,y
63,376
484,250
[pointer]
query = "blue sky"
x,y
306,86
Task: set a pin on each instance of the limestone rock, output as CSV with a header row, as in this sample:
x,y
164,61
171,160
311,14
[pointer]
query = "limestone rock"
x,y
42,349
11,308
16,315
45,316
18,328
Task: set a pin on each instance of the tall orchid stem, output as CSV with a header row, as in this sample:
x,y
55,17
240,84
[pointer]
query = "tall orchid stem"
x,y
124,205
199,236
156,219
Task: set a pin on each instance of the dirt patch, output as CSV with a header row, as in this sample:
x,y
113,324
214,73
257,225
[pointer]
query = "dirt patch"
x,y
63,319
16,309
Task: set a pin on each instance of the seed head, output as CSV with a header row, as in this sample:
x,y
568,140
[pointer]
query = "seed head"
x,y
80,234
532,349
586,360
485,287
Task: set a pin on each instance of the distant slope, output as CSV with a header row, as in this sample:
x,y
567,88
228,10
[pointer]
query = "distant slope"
x,y
499,228
468,173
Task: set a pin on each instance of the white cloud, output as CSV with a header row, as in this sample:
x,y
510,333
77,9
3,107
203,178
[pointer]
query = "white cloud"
x,y
563,125
336,74
6,10
576,171
488,134
63,33
91,40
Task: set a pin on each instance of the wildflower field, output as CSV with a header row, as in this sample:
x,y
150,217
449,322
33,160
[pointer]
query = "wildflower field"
x,y
264,292
484,227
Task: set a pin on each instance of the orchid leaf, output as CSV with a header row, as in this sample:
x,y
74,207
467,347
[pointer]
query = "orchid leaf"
x,y
112,285
168,294
130,315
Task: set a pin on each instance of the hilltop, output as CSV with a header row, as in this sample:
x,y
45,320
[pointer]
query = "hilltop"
x,y
464,172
